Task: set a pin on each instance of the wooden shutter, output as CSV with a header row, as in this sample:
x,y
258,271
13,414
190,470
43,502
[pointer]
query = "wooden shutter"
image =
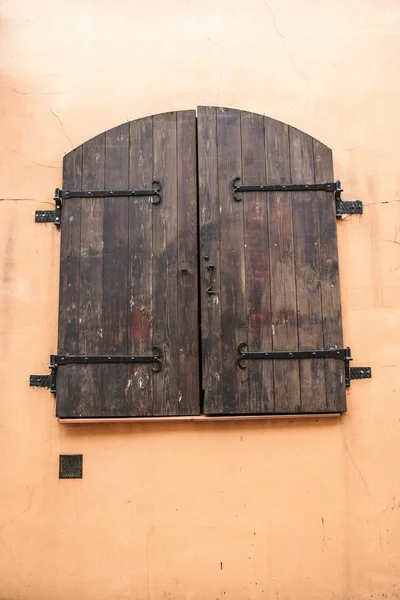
x,y
275,268
128,278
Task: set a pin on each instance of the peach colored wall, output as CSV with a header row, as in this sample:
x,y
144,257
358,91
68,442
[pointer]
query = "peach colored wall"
x,y
299,510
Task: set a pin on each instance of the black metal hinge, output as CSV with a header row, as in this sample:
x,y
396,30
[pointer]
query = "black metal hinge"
x,y
54,216
46,381
51,216
59,360
339,353
349,208
342,208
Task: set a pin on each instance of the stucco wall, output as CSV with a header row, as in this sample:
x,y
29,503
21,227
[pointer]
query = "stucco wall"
x,y
299,510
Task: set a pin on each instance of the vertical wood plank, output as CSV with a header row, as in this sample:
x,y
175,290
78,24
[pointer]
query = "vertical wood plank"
x,y
68,321
330,289
140,287
209,223
281,247
233,295
165,315
91,278
308,284
257,264
187,291
115,381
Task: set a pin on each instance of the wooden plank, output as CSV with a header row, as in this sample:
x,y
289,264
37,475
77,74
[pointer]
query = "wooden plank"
x,y
187,274
68,320
165,313
308,284
209,224
281,248
233,293
91,278
330,289
257,264
140,286
115,381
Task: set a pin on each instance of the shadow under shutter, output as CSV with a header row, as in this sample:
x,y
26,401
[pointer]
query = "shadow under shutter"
x,y
128,277
274,280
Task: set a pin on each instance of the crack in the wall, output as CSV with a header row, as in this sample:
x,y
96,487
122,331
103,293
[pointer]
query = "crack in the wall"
x,y
17,91
284,43
62,125
30,159
8,550
22,512
371,499
382,202
382,239
26,200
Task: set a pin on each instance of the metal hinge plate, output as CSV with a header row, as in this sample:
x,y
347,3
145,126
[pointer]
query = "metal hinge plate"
x,y
349,208
51,216
360,372
45,381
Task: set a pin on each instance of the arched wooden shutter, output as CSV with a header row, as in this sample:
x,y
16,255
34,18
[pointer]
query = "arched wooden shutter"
x,y
274,268
128,279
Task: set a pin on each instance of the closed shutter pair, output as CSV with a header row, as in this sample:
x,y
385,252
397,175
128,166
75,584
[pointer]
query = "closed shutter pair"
x,y
188,274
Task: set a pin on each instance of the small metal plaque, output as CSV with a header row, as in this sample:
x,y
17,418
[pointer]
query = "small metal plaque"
x,y
71,466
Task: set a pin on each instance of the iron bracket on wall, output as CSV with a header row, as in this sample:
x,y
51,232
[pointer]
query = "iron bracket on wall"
x,y
59,360
54,216
342,208
46,381
51,216
339,353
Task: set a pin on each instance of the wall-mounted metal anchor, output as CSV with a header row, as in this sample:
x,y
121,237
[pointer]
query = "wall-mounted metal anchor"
x,y
51,216
46,381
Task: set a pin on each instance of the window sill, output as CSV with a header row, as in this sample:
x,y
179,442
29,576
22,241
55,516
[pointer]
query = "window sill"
x,y
199,418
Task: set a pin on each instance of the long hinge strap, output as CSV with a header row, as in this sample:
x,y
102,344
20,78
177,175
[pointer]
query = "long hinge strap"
x,y
155,191
54,216
342,208
59,360
339,353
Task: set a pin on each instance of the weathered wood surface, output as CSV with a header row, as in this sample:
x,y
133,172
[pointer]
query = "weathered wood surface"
x,y
277,272
129,272
283,284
